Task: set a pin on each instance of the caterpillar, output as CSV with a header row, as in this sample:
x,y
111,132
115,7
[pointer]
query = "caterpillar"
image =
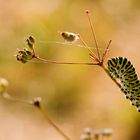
x,y
121,69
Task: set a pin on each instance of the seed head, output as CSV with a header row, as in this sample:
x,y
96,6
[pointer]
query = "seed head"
x,y
24,55
30,42
70,37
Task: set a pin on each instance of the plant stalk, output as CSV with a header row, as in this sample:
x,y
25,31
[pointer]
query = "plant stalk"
x,y
107,72
51,122
61,62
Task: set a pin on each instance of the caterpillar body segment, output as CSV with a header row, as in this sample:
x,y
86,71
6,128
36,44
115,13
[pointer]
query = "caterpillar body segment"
x,y
122,69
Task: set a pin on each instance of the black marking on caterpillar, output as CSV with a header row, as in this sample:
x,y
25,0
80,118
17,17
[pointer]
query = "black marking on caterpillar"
x,y
121,68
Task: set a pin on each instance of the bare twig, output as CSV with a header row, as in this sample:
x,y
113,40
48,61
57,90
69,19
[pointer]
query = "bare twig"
x,y
61,62
52,123
88,48
106,51
107,72
93,33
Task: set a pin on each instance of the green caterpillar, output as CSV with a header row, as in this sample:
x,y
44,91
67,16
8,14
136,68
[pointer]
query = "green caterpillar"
x,y
122,69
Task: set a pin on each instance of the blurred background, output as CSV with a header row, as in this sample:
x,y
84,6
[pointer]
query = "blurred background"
x,y
75,96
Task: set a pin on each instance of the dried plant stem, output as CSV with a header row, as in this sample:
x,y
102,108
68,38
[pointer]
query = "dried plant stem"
x,y
51,122
93,33
88,48
59,62
80,63
106,51
6,96
34,53
107,72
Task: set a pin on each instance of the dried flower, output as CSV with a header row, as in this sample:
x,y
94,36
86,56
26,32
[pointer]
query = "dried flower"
x,y
30,42
87,135
24,55
70,37
107,132
87,131
36,101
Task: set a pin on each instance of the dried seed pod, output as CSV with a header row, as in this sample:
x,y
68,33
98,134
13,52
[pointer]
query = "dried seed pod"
x,y
87,134
36,101
70,37
24,55
30,42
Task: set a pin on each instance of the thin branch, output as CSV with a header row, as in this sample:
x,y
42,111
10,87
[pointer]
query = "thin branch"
x,y
114,80
106,51
41,109
93,33
91,52
80,63
61,62
83,63
34,52
7,96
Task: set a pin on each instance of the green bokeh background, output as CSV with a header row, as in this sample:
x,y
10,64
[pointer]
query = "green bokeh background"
x,y
75,96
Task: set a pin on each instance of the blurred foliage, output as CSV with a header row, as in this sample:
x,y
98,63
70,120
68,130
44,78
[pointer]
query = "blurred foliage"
x,y
75,95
